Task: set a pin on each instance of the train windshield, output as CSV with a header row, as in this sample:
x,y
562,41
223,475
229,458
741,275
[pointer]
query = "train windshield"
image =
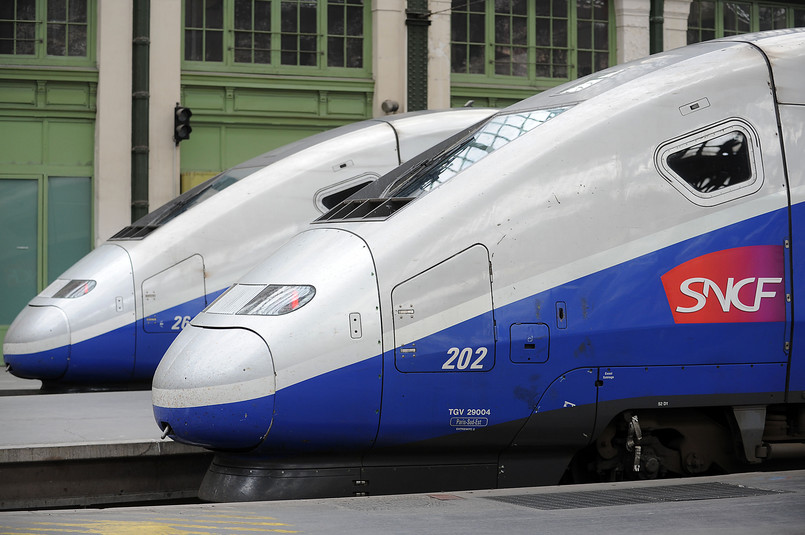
x,y
497,132
195,195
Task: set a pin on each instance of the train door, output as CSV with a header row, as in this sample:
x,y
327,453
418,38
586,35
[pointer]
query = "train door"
x,y
170,300
792,118
435,378
439,396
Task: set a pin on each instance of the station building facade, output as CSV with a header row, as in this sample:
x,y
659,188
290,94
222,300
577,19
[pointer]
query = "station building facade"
x,y
89,89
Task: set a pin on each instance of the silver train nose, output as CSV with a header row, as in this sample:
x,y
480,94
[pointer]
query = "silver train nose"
x,y
81,327
37,344
219,393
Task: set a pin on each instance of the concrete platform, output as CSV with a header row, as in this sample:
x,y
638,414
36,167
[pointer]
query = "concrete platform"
x,y
47,420
84,448
10,385
772,503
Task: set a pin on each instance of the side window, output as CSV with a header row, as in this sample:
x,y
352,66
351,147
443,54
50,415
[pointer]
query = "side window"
x,y
713,166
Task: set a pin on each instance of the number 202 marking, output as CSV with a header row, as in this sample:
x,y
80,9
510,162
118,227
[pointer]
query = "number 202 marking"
x,y
460,359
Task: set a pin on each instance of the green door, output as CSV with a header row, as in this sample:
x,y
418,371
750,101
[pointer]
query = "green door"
x,y
47,227
69,223
18,246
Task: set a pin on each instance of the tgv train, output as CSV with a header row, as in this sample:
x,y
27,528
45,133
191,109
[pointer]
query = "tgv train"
x,y
110,317
598,282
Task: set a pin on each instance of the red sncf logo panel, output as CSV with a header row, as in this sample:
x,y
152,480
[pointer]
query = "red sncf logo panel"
x,y
744,284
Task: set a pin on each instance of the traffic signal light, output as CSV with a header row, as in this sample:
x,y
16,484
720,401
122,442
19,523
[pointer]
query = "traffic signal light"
x,y
181,123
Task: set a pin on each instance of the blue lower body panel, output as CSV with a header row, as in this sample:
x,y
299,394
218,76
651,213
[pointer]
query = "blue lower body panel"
x,y
232,426
46,365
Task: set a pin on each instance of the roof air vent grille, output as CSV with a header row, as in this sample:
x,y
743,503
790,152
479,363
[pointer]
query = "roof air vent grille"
x,y
134,233
364,209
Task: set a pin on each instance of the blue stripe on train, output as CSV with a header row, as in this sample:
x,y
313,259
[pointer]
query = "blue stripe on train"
x,y
127,353
49,364
230,426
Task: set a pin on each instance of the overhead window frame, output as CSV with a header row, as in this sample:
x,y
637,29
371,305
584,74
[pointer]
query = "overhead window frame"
x,y
526,45
714,19
698,137
49,33
278,37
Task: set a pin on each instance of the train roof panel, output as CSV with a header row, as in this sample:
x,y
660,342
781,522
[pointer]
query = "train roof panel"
x,y
785,50
409,129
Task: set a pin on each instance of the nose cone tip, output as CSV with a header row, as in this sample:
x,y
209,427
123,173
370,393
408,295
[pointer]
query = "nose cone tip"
x,y
37,344
215,391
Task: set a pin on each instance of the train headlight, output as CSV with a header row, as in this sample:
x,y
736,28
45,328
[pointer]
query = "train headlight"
x,y
71,289
262,300
276,300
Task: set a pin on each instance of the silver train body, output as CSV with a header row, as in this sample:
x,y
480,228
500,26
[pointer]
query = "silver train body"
x,y
601,281
109,318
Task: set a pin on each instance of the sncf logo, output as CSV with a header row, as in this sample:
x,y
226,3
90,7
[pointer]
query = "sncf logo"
x,y
735,285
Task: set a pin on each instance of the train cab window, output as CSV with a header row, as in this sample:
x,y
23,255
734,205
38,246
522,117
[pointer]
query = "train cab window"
x,y
153,220
497,132
713,166
200,193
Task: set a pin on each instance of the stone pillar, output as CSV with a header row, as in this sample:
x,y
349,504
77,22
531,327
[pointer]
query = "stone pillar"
x,y
439,55
389,48
675,31
113,119
165,91
632,29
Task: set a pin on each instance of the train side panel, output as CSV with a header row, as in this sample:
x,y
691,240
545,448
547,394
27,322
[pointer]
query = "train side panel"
x,y
598,230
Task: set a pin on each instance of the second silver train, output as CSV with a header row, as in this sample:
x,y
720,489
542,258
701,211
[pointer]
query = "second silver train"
x,y
111,316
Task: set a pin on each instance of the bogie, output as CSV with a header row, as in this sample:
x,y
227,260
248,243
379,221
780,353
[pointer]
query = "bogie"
x,y
648,444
